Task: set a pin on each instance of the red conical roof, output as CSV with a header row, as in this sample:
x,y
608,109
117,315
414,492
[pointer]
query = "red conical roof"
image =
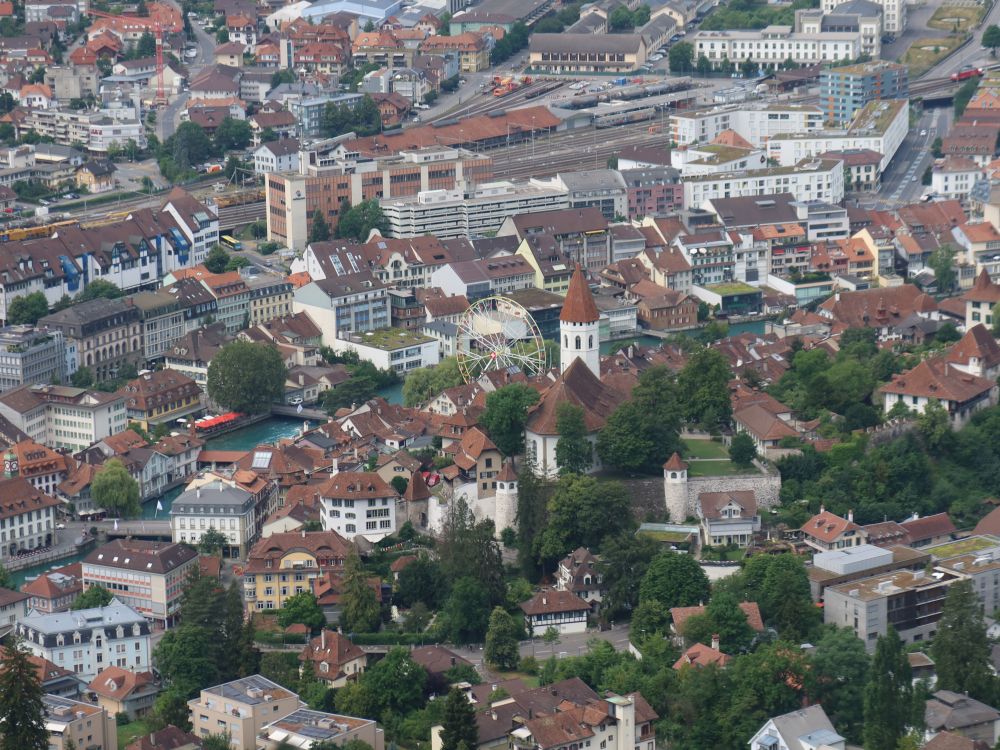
x,y
674,463
579,305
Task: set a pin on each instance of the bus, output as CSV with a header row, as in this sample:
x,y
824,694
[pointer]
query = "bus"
x,y
231,242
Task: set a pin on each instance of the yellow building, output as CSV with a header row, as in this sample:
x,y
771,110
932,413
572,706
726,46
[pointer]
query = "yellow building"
x,y
283,565
240,708
161,396
471,48
552,267
270,297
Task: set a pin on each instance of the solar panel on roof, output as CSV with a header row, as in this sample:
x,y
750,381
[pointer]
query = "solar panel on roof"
x,y
261,460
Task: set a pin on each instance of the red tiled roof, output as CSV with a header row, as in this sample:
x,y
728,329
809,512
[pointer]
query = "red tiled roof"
x,y
679,616
827,526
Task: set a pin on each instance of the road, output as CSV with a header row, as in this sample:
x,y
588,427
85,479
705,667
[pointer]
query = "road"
x,y
917,17
901,184
972,53
169,117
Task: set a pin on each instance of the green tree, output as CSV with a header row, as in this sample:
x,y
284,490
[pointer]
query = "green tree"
x,y
722,617
643,432
95,596
991,38
302,608
171,708
218,742
361,612
532,499
888,699
458,729
424,384
216,259
222,35
934,425
146,46
400,484
742,450
942,262
623,564
681,57
396,684
650,619
82,378
27,308
319,230
960,650
837,679
357,222
246,377
574,452
232,135
674,580
621,19
703,389
704,67
468,547
581,513
501,641
115,490
212,542
785,598
466,613
236,262
421,581
189,145
185,661
7,580
21,701
506,414
964,95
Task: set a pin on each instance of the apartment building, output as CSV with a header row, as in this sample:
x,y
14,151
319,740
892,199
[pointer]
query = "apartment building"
x,y
879,126
30,355
807,180
953,177
162,319
774,45
755,123
893,13
473,212
586,53
42,466
85,641
93,129
855,16
241,709
26,517
284,564
471,49
198,225
909,600
329,175
160,396
344,295
73,724
60,416
270,296
107,334
476,279
306,727
359,504
603,189
845,90
148,577
235,506
56,590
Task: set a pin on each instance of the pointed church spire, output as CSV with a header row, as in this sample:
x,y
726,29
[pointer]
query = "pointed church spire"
x,y
579,305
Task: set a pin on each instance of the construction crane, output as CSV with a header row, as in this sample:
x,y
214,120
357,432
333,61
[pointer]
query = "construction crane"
x,y
161,97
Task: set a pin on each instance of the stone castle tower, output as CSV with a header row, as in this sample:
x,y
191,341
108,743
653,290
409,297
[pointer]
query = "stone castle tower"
x,y
506,498
579,326
675,488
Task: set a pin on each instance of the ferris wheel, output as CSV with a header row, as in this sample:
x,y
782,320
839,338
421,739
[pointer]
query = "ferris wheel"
x,y
496,333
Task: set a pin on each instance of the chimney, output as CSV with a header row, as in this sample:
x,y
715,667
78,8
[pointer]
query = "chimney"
x,y
545,600
197,492
822,508
715,641
303,532
850,515
322,638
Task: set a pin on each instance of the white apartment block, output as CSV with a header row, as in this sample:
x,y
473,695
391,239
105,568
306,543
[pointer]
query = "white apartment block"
x,y
85,641
754,122
714,158
893,13
776,44
478,212
817,179
358,504
881,127
953,177
26,517
64,417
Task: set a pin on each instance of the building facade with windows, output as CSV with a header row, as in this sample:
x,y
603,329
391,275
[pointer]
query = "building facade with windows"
x,y
359,504
64,417
27,517
30,355
234,507
845,90
282,565
85,641
241,709
147,576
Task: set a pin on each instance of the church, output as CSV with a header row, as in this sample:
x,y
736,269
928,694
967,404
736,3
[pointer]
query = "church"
x,y
579,381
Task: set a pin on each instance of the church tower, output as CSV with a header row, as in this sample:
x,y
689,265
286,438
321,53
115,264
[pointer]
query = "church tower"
x,y
675,488
579,325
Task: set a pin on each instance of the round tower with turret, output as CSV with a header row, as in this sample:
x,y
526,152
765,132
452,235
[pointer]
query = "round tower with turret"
x,y
579,326
675,488
506,498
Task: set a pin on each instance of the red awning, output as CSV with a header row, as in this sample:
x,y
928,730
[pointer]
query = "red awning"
x,y
210,422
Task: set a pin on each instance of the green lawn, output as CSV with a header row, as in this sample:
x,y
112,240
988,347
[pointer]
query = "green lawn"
x,y
712,468
705,449
925,53
962,547
131,731
948,17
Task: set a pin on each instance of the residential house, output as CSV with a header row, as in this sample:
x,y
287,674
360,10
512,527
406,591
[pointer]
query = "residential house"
x,y
550,608
283,564
803,729
728,518
277,156
160,397
334,659
27,516
125,692
97,176
82,724
358,504
55,590
961,394
306,727
826,531
962,715
579,573
235,506
13,609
